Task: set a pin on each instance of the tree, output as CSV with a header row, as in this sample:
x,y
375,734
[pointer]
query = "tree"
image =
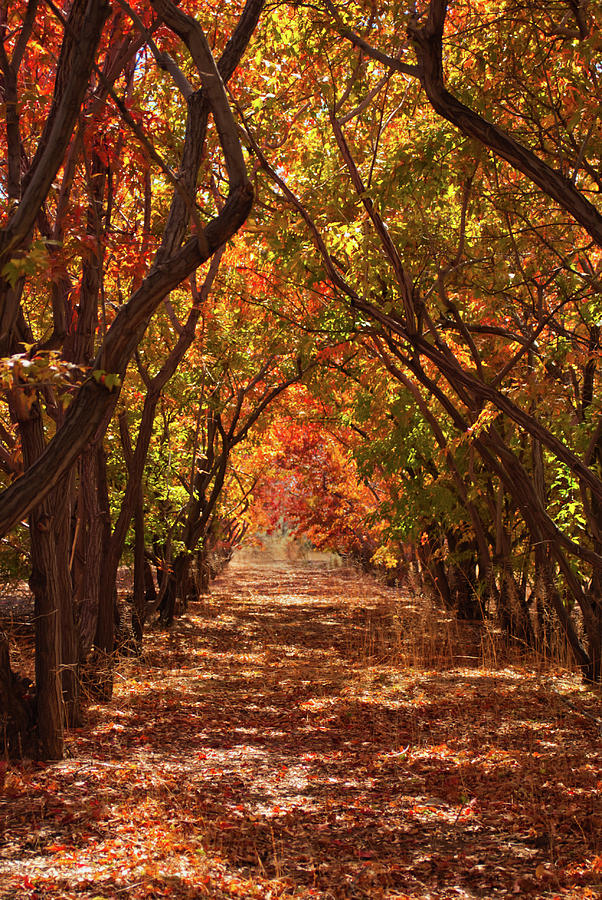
x,y
94,46
470,316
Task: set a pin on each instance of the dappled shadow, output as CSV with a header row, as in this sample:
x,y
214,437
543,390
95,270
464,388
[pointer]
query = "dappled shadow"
x,y
259,745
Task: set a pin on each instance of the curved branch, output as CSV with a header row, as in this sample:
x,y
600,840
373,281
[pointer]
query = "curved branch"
x,y
189,30
94,403
368,49
82,35
428,42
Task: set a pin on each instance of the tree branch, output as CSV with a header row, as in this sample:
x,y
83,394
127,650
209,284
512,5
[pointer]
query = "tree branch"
x,y
428,42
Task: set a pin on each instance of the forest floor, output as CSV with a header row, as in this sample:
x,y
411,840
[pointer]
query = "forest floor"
x,y
306,732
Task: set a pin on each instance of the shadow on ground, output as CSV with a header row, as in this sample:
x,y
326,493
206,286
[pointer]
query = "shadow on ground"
x,y
269,745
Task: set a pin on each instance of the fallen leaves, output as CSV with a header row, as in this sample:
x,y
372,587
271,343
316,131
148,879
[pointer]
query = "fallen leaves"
x,y
253,752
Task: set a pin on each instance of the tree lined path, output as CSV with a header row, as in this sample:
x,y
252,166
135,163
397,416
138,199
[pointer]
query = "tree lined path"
x,y
296,735
334,264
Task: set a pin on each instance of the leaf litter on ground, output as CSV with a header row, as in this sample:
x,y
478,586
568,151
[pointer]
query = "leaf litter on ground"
x,y
295,735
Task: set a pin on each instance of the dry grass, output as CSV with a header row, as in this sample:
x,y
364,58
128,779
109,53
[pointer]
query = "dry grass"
x,y
410,630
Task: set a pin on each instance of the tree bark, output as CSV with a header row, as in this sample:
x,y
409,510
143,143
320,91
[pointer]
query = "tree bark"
x,y
140,577
88,550
46,583
17,709
69,638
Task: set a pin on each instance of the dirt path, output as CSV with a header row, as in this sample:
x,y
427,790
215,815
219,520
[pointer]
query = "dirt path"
x,y
272,745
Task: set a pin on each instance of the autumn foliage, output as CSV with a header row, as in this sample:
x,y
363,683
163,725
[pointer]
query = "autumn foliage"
x,y
332,267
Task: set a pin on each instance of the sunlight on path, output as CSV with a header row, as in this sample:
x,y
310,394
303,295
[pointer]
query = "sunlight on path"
x,y
272,744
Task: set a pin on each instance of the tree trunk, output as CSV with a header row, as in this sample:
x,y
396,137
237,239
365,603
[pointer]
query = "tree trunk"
x,y
433,571
203,572
46,584
68,626
593,624
107,601
140,575
88,549
463,579
181,588
17,709
104,639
